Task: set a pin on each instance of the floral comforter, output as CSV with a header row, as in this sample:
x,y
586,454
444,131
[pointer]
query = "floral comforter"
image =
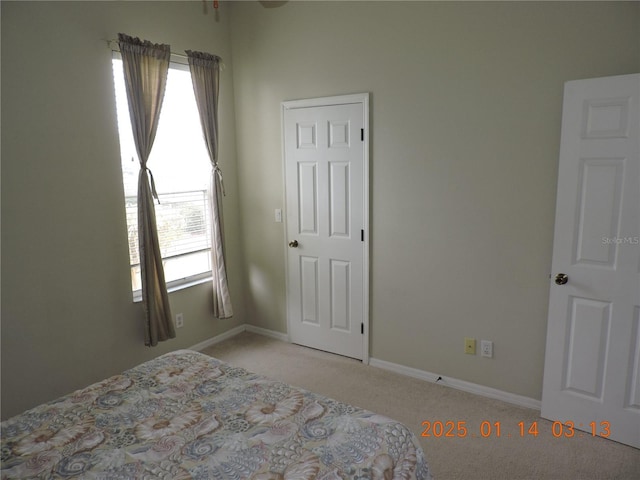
x,y
187,415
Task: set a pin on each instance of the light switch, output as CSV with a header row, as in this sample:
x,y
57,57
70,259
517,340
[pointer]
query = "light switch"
x,y
278,215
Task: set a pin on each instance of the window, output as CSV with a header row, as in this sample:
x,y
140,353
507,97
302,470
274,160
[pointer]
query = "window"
x,y
181,169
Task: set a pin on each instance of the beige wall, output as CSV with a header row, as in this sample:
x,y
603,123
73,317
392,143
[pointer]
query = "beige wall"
x,y
466,109
67,314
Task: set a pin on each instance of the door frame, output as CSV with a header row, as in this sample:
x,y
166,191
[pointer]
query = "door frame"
x,y
361,98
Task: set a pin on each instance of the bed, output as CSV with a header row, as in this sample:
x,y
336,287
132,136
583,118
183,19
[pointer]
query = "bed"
x,y
187,415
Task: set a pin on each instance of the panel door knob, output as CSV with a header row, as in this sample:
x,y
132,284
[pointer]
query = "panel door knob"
x,y
293,244
561,278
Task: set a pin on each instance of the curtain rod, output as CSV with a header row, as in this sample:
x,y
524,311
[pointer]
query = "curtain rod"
x,y
115,46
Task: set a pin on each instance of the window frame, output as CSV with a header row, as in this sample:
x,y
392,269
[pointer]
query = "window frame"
x,y
179,63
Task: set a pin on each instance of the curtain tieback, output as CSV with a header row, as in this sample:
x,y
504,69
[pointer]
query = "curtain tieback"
x,y
153,185
217,171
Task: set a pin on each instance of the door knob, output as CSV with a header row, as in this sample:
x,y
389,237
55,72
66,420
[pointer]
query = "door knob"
x,y
561,278
293,244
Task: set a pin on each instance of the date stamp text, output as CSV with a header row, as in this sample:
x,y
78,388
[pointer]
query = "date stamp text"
x,y
496,429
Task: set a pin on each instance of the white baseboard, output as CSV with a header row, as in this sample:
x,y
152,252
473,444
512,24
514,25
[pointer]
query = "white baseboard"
x,y
458,384
198,347
236,331
392,367
267,333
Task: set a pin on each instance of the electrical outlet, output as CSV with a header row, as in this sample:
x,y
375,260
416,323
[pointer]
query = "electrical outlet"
x,y
179,320
486,348
470,346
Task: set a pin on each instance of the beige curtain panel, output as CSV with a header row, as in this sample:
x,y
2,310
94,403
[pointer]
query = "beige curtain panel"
x,y
146,67
205,74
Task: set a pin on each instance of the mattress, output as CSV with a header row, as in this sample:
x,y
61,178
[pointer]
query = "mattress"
x,y
187,415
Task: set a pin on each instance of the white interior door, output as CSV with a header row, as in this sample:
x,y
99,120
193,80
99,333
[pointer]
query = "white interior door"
x,y
326,178
592,364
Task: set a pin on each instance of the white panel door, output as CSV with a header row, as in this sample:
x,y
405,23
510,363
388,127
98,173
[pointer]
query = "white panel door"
x,y
325,161
592,364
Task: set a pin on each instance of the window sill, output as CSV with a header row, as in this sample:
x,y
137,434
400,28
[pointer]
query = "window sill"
x,y
177,286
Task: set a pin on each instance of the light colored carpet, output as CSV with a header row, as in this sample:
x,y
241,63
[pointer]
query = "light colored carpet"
x,y
413,401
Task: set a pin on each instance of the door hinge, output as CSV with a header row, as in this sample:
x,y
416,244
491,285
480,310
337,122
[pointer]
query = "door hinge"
x,y
362,328
362,134
362,235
